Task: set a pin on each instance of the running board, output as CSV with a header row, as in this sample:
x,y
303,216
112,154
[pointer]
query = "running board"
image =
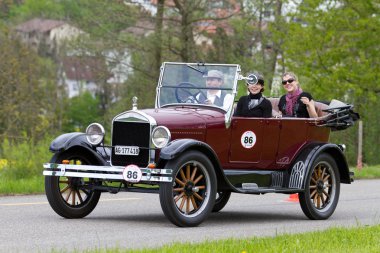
x,y
262,190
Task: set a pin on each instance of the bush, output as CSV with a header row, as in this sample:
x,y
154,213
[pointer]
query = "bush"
x,y
24,159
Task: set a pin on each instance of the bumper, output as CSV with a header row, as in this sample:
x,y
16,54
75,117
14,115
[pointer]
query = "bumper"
x,y
105,172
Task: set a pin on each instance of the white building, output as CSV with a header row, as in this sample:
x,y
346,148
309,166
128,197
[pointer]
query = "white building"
x,y
46,35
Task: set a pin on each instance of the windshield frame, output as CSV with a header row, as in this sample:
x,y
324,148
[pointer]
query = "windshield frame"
x,y
233,89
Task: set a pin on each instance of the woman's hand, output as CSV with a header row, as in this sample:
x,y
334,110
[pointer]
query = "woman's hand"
x,y
307,101
310,107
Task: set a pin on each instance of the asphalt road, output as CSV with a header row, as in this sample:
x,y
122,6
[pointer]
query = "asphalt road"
x,y
135,220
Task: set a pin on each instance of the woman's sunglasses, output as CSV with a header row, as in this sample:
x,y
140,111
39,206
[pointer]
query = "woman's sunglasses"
x,y
287,81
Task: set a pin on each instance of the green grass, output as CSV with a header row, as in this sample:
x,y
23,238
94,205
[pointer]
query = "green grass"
x,y
368,172
358,239
21,186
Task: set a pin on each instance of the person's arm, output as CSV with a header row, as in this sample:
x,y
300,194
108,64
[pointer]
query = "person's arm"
x,y
227,102
280,106
238,108
267,110
310,107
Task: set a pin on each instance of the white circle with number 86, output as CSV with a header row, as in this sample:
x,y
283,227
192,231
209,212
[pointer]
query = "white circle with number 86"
x,y
132,174
248,139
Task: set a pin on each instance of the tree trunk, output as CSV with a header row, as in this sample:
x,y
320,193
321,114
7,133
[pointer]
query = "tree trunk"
x,y
276,48
186,38
158,32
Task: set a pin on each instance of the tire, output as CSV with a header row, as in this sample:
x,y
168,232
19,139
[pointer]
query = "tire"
x,y
221,200
188,201
322,189
71,197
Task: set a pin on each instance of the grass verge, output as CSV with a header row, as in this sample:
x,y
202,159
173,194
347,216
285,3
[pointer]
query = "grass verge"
x,y
21,186
368,172
358,239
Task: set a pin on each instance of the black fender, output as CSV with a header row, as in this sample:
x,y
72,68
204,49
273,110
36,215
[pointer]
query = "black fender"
x,y
308,155
340,159
78,141
179,146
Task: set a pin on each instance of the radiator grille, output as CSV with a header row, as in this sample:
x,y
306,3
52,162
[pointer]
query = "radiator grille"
x,y
131,134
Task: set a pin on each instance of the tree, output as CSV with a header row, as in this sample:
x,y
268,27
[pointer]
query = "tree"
x,y
335,50
81,111
27,91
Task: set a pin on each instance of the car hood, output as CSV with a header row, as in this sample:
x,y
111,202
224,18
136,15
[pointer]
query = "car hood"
x,y
182,121
185,117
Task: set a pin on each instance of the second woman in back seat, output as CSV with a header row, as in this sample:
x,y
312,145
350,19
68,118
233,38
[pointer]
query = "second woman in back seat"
x,y
254,104
295,103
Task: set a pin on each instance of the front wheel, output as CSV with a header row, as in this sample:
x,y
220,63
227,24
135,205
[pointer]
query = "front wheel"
x,y
221,200
71,197
321,195
190,198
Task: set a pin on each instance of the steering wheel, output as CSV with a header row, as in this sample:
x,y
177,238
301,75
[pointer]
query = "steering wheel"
x,y
187,93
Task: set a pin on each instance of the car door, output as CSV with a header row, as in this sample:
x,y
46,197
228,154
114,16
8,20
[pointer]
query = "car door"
x,y
254,142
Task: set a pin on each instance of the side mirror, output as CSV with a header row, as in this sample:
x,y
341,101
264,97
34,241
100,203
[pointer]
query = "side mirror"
x,y
252,79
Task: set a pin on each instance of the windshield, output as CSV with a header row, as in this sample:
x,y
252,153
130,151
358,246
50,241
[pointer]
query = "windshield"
x,y
203,84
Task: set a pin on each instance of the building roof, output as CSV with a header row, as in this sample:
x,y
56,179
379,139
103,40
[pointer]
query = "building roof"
x,y
40,25
141,28
85,68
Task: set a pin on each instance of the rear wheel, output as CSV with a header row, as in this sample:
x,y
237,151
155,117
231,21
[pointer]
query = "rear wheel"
x,y
190,198
221,200
322,189
71,197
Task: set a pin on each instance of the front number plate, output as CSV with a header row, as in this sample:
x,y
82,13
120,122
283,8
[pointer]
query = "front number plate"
x,y
127,150
132,174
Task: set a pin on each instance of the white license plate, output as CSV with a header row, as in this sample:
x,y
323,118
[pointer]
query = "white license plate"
x,y
127,150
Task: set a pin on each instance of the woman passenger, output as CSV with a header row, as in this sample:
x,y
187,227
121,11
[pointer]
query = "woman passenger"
x,y
254,104
295,103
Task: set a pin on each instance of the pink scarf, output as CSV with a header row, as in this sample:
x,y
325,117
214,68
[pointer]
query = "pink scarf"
x,y
291,100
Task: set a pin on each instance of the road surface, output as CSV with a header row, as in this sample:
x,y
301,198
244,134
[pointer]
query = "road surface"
x,y
135,220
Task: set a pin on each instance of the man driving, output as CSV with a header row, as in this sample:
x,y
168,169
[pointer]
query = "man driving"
x,y
215,96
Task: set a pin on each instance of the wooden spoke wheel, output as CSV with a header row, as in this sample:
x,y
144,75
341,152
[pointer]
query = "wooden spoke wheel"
x,y
322,189
74,190
71,197
190,198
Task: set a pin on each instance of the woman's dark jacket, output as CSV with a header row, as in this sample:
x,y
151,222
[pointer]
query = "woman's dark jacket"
x,y
299,109
254,105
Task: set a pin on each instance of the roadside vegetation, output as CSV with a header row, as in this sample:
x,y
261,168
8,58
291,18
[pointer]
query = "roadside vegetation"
x,y
21,166
335,240
368,172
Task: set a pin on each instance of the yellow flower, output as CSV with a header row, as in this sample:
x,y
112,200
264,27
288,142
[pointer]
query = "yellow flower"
x,y
3,163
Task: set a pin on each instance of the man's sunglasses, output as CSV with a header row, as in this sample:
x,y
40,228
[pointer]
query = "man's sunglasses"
x,y
287,81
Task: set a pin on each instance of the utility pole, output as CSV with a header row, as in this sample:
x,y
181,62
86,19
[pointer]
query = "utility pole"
x,y
359,164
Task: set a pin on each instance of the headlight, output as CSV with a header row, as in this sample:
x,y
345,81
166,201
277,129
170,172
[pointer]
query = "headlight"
x,y
95,133
160,136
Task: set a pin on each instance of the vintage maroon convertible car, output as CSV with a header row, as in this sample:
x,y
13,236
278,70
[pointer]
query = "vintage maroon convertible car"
x,y
194,155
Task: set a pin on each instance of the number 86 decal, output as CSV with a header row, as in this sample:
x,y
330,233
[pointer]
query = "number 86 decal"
x,y
248,139
132,174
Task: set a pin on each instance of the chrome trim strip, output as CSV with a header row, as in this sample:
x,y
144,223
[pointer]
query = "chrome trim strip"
x,y
103,172
277,179
229,114
297,175
159,85
134,116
